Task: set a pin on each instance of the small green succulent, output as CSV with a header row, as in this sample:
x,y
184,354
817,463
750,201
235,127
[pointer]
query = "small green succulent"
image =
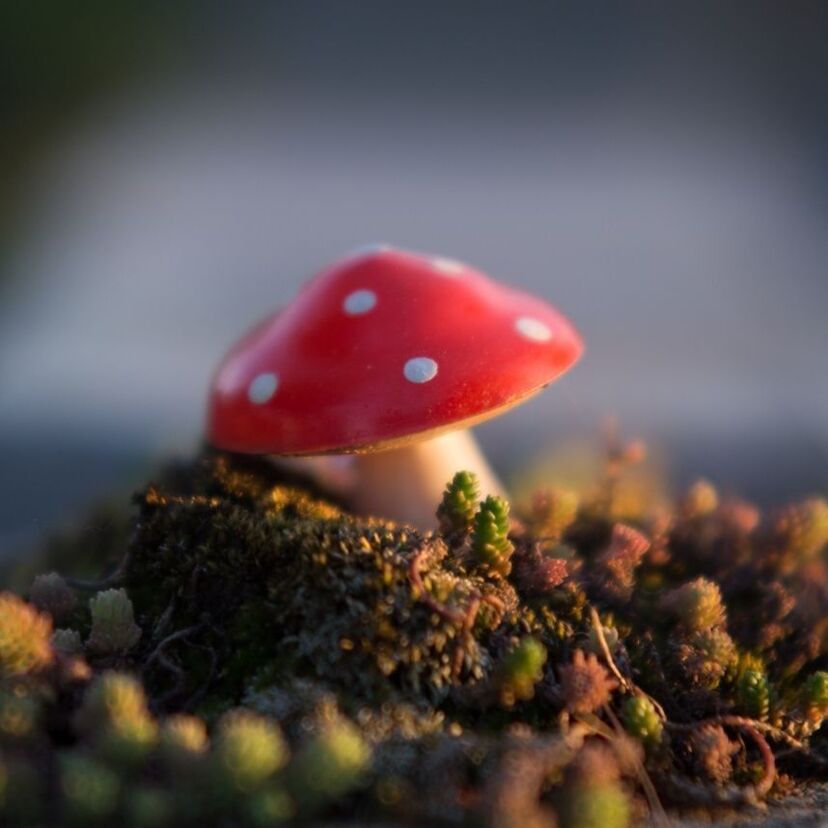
x,y
753,694
67,641
696,605
115,717
520,670
641,720
249,749
490,545
330,764
113,623
815,696
459,503
51,594
594,802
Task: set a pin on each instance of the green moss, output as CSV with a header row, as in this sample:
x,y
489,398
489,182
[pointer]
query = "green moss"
x,y
387,674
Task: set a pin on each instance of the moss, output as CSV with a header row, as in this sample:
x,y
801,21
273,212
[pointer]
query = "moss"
x,y
262,655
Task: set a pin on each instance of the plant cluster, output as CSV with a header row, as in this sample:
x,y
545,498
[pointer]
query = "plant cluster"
x,y
260,656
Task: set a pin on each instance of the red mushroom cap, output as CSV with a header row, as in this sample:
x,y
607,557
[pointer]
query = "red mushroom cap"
x,y
382,348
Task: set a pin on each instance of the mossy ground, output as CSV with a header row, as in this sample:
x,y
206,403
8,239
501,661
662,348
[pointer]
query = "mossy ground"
x,y
259,655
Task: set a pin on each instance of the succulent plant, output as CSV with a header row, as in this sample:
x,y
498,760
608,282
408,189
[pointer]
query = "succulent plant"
x,y
641,720
249,749
19,712
815,697
490,545
738,517
331,763
90,789
378,650
25,635
553,511
459,503
713,753
149,807
183,736
270,807
67,641
114,716
52,595
593,796
613,575
696,605
802,528
537,571
611,639
706,657
700,500
753,694
520,670
113,624
585,683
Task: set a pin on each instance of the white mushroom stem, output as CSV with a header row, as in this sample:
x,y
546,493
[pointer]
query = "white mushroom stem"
x,y
406,484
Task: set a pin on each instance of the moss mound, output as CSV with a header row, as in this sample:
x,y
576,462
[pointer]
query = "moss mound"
x,y
259,655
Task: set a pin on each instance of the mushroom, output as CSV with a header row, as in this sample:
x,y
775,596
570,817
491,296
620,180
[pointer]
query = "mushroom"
x,y
389,356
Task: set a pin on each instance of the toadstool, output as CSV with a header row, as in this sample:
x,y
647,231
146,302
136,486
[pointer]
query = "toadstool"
x,y
389,356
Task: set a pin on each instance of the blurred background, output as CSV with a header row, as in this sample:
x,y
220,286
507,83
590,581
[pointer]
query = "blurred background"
x,y
170,172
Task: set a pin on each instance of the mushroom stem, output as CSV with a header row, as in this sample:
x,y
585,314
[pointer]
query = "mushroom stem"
x,y
405,484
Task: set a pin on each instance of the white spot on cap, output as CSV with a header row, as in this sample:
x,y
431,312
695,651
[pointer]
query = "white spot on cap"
x,y
533,329
358,302
448,267
420,369
262,388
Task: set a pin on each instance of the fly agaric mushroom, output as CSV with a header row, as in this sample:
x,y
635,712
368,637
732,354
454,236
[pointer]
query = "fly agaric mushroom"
x,y
389,356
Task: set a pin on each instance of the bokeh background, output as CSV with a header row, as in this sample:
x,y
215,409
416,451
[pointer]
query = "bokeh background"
x,y
169,172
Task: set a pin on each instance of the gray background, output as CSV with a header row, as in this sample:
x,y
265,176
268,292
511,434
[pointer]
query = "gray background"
x,y
660,176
